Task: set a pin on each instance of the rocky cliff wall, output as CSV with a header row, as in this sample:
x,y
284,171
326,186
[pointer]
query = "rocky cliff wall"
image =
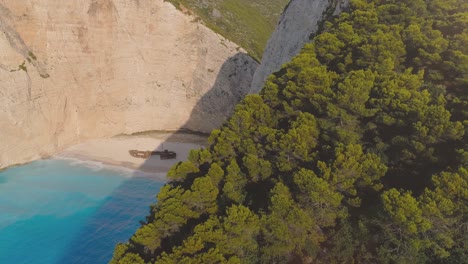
x,y
81,69
299,21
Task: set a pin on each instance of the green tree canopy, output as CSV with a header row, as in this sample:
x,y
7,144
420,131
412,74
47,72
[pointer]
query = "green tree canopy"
x,y
356,151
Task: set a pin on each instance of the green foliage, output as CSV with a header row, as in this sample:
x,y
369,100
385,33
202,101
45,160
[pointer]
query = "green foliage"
x,y
446,207
247,23
234,186
319,198
352,170
287,230
404,211
131,258
181,170
355,152
23,67
298,144
217,241
198,157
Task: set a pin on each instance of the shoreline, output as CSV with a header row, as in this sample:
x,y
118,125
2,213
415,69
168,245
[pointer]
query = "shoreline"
x,y
113,152
96,163
180,136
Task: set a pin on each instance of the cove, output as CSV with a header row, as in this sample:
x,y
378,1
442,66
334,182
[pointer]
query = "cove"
x,y
62,211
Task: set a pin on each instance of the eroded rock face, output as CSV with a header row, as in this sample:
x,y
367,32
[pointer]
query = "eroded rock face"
x,y
297,24
82,69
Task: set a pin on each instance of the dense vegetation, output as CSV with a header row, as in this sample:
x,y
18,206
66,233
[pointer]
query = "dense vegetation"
x,y
245,22
355,152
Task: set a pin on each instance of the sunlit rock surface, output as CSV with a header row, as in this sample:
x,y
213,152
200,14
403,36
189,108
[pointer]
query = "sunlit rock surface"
x,y
82,69
300,20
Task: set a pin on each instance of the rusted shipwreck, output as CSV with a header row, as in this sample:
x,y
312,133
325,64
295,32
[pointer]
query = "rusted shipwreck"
x,y
165,154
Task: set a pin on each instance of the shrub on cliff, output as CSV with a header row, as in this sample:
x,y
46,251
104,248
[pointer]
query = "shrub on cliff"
x,y
355,152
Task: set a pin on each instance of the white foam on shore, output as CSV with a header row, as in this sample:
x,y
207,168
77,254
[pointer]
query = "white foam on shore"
x,y
100,165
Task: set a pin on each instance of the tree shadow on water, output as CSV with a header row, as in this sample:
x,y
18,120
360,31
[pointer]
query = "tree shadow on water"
x,y
119,216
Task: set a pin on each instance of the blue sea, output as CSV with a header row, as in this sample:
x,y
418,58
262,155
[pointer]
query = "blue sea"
x,y
63,211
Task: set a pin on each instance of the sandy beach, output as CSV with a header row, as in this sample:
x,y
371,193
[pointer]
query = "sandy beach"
x,y
115,151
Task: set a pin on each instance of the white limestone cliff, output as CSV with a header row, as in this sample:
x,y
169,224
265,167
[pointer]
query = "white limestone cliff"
x,y
298,23
82,69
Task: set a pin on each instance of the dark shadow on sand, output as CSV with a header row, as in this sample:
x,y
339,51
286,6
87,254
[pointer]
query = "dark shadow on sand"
x,y
131,207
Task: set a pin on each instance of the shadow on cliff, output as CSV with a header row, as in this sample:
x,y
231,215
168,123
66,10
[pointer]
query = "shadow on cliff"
x,y
232,84
129,202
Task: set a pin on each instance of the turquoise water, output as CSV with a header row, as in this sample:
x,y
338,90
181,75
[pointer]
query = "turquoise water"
x,y
57,211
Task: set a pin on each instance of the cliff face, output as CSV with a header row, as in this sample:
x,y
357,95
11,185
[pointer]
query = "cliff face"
x,y
299,21
77,70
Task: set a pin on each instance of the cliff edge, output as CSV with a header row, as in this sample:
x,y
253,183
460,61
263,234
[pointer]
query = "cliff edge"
x,y
299,21
77,70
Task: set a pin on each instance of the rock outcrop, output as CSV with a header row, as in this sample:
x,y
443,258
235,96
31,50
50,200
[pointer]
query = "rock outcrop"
x,y
299,21
77,70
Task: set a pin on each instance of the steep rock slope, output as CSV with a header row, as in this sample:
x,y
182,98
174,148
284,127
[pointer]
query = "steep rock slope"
x,y
354,152
299,21
247,23
76,70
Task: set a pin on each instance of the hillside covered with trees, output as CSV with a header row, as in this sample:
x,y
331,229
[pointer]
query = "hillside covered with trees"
x,y
247,23
355,152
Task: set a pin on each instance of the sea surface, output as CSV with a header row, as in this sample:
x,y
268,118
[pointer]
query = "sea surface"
x,y
64,211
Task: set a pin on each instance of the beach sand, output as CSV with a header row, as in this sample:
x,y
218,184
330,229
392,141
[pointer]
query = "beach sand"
x,y
114,151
